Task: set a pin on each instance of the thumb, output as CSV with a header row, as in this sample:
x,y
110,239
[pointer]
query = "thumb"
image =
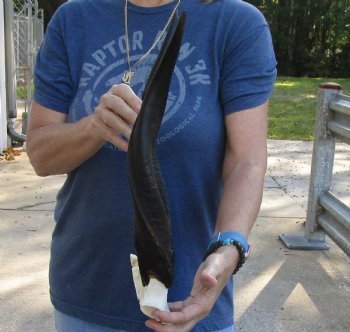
x,y
208,276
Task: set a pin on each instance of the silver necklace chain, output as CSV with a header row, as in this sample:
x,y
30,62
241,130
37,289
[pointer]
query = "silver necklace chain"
x,y
127,76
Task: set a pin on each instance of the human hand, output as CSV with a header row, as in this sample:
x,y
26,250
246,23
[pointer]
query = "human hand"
x,y
116,114
210,279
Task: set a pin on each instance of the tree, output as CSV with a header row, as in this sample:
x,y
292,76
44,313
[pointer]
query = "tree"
x,y
310,37
49,7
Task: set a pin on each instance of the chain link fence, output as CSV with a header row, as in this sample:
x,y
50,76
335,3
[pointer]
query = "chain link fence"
x,y
25,21
28,33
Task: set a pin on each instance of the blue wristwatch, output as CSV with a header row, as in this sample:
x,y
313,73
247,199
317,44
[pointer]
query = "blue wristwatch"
x,y
227,239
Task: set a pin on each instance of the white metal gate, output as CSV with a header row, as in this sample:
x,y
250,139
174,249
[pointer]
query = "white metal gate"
x,y
24,31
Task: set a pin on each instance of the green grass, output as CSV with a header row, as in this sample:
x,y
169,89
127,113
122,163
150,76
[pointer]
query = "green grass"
x,y
293,107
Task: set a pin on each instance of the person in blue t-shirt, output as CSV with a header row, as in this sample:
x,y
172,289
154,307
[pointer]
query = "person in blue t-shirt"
x,y
211,147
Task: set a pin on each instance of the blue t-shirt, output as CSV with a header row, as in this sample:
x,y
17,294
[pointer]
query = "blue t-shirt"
x,y
226,64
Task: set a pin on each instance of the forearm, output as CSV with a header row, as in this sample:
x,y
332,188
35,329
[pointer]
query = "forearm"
x,y
240,204
237,212
59,148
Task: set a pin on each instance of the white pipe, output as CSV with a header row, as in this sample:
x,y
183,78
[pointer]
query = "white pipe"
x,y
11,93
3,117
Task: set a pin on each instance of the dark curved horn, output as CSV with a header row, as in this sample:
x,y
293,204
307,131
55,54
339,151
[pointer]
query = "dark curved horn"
x,y
152,220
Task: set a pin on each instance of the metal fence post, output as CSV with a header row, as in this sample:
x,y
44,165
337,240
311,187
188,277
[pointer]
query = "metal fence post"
x,y
322,161
10,61
321,173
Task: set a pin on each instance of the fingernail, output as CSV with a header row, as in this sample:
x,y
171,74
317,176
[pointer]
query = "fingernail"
x,y
155,316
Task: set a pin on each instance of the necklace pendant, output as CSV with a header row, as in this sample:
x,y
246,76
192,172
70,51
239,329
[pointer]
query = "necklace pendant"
x,y
127,76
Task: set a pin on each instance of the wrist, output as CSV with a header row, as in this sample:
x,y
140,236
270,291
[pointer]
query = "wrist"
x,y
230,256
237,244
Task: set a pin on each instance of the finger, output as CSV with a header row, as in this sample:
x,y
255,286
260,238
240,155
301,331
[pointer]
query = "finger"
x,y
119,142
188,314
118,124
119,107
126,93
178,317
161,327
101,126
107,120
116,105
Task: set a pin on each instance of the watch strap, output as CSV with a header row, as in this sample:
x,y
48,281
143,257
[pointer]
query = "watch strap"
x,y
230,238
224,236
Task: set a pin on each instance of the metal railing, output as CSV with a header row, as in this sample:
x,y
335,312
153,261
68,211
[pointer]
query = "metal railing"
x,y
326,214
